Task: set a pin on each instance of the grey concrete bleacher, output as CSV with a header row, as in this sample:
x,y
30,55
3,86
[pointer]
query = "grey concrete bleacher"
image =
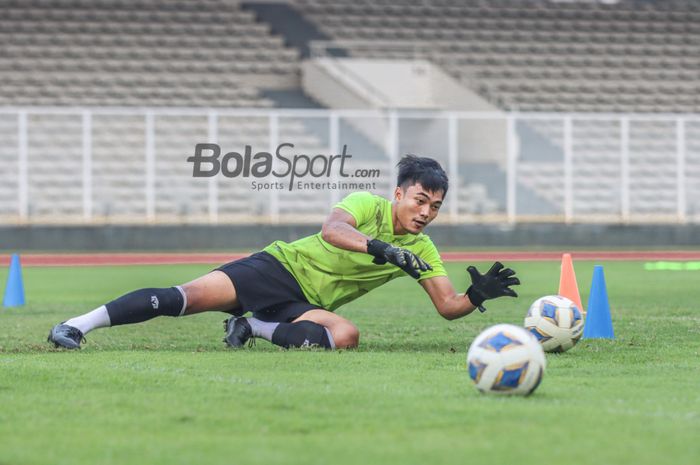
x,y
139,53
9,186
540,55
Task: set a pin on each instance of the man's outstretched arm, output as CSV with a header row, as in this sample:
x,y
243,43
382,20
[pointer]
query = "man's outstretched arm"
x,y
448,303
494,283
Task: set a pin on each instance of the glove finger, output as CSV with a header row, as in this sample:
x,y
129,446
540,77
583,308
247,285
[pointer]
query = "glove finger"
x,y
400,259
415,261
511,282
379,261
506,273
510,292
495,268
474,274
410,260
424,266
412,272
418,263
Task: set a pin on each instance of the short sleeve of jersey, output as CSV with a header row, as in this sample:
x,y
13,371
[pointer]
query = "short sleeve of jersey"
x,y
430,254
361,205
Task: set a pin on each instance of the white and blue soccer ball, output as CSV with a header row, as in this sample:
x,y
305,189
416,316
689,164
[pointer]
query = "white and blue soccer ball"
x,y
506,359
556,322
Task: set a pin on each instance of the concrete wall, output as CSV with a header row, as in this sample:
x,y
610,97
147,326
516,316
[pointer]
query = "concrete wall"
x,y
201,238
383,84
405,84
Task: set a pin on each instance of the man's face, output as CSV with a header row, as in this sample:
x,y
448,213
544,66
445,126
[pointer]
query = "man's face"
x,y
415,208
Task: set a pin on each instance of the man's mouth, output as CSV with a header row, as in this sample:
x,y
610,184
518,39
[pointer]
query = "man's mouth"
x,y
419,223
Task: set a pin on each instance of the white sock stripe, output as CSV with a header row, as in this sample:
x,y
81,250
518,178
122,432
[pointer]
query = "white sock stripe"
x,y
98,318
330,338
102,308
184,300
262,329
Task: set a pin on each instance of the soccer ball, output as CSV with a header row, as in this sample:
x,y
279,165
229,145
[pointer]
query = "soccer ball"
x,y
556,322
506,359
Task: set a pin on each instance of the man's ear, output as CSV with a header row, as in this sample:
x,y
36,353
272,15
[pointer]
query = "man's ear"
x,y
398,193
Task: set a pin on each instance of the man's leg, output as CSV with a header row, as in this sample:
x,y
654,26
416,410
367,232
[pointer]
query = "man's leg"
x,y
314,328
213,291
343,332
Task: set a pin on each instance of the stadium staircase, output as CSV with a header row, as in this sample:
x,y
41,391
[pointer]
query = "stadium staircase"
x,y
288,22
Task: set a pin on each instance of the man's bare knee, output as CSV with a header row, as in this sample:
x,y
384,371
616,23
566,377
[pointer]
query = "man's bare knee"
x,y
346,336
194,296
213,291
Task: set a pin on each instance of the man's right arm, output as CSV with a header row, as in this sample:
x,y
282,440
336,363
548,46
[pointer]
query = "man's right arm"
x,y
340,230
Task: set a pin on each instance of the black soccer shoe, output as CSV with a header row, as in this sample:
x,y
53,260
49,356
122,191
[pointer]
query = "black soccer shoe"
x,y
238,332
66,336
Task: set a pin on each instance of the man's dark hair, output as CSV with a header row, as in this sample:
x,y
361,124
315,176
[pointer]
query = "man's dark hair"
x,y
423,170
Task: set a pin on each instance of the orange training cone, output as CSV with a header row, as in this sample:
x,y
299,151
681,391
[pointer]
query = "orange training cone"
x,y
567,281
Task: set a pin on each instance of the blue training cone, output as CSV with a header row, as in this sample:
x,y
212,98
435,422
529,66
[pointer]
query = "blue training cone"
x,y
598,321
14,289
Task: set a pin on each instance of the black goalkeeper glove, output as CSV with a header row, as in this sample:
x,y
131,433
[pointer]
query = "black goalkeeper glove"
x,y
404,259
495,283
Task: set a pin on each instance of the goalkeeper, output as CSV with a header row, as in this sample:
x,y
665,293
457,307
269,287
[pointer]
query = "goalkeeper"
x,y
293,289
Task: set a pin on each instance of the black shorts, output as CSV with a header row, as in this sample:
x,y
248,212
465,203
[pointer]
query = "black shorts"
x,y
265,288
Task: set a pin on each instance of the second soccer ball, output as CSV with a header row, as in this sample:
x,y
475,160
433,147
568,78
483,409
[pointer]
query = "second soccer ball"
x,y
556,322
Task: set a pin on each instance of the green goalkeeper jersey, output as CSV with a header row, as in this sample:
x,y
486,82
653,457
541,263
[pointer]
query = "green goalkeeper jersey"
x,y
330,276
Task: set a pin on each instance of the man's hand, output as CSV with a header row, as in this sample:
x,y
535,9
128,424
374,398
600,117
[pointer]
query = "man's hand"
x,y
495,283
404,259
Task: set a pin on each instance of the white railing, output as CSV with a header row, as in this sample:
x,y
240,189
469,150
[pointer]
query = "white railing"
x,y
97,165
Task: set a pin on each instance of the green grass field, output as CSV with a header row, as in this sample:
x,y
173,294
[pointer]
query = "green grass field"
x,y
168,392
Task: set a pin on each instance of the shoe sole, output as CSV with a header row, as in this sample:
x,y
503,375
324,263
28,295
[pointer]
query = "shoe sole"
x,y
58,345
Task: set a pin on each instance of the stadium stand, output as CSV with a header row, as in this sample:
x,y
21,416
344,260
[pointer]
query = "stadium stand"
x,y
520,55
139,53
531,55
538,55
547,56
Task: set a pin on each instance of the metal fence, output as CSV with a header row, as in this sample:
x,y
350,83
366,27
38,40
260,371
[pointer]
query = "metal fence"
x,y
130,165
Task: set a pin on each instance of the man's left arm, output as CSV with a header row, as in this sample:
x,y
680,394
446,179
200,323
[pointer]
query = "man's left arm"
x,y
448,303
496,282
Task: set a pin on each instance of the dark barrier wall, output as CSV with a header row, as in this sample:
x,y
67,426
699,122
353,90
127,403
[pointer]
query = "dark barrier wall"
x,y
251,237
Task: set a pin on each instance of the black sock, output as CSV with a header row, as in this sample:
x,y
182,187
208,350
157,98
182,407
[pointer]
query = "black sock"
x,y
301,334
145,304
